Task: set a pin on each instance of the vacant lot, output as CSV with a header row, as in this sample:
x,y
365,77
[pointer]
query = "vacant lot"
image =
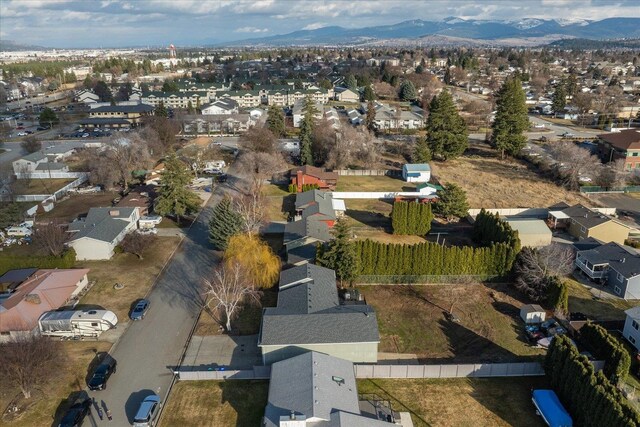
x,y
461,401
216,404
494,183
136,275
40,186
373,183
582,300
412,320
78,204
68,377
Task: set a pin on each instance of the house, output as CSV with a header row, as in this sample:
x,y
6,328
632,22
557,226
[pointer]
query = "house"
x,y
86,97
299,111
582,222
117,116
221,106
177,100
416,172
623,145
631,330
217,123
313,175
344,94
531,232
41,291
319,390
615,265
387,60
140,198
310,317
29,163
96,236
388,118
244,98
532,313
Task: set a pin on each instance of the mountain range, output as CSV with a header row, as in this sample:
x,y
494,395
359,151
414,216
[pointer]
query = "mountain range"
x,y
474,31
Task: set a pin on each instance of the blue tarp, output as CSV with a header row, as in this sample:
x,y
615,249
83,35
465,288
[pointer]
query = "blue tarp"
x,y
551,409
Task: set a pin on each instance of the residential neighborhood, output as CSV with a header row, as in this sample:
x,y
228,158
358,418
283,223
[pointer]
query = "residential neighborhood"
x,y
299,215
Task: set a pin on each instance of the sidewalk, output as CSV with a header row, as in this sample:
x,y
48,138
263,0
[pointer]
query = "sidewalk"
x,y
230,352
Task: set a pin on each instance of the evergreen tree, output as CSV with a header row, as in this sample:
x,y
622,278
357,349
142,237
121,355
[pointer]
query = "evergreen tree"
x,y
340,253
369,95
224,223
190,109
408,91
447,134
161,110
306,132
511,119
275,121
174,196
452,202
351,82
559,100
421,152
370,119
48,117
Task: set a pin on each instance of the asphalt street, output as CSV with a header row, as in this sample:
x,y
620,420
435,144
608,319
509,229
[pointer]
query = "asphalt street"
x,y
150,349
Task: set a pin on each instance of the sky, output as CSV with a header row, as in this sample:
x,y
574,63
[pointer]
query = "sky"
x,y
124,23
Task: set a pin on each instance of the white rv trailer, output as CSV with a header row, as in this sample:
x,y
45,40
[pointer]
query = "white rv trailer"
x,y
76,324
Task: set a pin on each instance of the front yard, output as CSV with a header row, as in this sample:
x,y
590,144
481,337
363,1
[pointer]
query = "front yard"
x,y
412,320
136,275
216,404
490,402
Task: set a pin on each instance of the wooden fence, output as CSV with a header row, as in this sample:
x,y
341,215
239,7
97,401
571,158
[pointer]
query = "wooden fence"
x,y
369,172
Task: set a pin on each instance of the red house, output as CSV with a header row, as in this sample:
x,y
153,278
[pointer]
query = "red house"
x,y
312,175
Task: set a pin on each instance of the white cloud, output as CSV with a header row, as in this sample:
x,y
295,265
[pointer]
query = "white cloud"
x,y
315,26
251,30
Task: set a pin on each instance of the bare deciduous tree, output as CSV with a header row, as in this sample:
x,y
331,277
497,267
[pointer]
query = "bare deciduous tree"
x,y
228,291
612,175
260,139
50,238
574,162
251,207
137,244
28,361
260,167
534,267
353,145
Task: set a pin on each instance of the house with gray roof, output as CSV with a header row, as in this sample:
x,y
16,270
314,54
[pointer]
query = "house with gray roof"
x,y
582,223
96,236
29,163
615,265
319,390
631,330
310,316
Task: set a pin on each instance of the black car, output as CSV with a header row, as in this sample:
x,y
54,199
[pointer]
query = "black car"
x,y
221,178
76,414
102,373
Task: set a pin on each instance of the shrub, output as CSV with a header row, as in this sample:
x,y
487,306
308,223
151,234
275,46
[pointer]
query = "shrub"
x,y
66,260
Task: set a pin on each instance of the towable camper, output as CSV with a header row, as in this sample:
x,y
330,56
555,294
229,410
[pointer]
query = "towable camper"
x,y
76,324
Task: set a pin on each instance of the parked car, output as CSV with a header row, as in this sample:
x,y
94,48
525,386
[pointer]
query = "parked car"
x,y
75,414
568,135
150,220
43,128
21,133
140,309
102,373
147,412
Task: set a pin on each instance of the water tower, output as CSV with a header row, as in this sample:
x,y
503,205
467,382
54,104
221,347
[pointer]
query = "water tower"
x,y
172,51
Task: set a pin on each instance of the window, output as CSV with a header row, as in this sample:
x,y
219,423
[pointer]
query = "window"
x,y
94,324
617,290
634,325
620,278
632,339
583,229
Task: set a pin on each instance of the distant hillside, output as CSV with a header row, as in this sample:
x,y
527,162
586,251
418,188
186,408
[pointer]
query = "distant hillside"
x,y
490,32
10,45
586,44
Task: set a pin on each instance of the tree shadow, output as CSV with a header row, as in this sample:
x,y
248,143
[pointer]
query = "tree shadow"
x,y
372,219
289,204
247,398
397,404
65,404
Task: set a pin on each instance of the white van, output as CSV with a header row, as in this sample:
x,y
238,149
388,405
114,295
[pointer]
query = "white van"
x,y
18,231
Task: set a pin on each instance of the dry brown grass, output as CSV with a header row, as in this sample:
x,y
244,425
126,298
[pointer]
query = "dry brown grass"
x,y
68,377
495,402
40,186
494,183
137,276
373,183
216,404
70,208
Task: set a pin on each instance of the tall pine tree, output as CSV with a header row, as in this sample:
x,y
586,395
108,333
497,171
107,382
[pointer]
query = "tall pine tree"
x,y
275,121
306,132
447,134
340,253
511,119
421,152
224,223
175,198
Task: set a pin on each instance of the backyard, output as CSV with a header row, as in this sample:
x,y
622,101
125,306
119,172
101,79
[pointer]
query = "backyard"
x,y
67,377
216,403
39,186
598,308
69,208
279,202
136,275
494,183
412,320
462,401
373,183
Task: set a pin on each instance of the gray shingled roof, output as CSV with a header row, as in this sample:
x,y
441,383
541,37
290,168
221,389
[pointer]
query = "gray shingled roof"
x,y
50,166
622,259
34,157
138,108
317,386
306,227
302,253
307,289
103,224
585,216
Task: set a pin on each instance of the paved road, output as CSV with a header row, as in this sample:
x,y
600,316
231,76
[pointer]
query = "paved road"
x,y
13,105
150,348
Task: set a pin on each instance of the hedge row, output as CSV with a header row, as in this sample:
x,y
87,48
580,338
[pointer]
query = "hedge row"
x,y
557,294
428,258
606,347
411,218
589,397
293,188
67,260
489,228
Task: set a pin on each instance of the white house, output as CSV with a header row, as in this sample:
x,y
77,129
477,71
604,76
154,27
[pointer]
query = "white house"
x,y
86,97
416,172
298,111
221,106
631,330
344,94
96,236
29,163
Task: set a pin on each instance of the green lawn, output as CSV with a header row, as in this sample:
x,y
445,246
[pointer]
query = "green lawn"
x,y
460,402
581,300
231,403
373,183
411,320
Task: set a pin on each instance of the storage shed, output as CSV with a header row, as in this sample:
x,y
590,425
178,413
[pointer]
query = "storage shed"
x,y
532,313
416,172
532,232
550,408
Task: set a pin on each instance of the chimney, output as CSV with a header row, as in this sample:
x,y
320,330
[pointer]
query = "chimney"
x,y
299,179
114,212
32,298
292,415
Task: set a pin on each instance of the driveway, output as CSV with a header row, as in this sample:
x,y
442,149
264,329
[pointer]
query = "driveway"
x,y
150,349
